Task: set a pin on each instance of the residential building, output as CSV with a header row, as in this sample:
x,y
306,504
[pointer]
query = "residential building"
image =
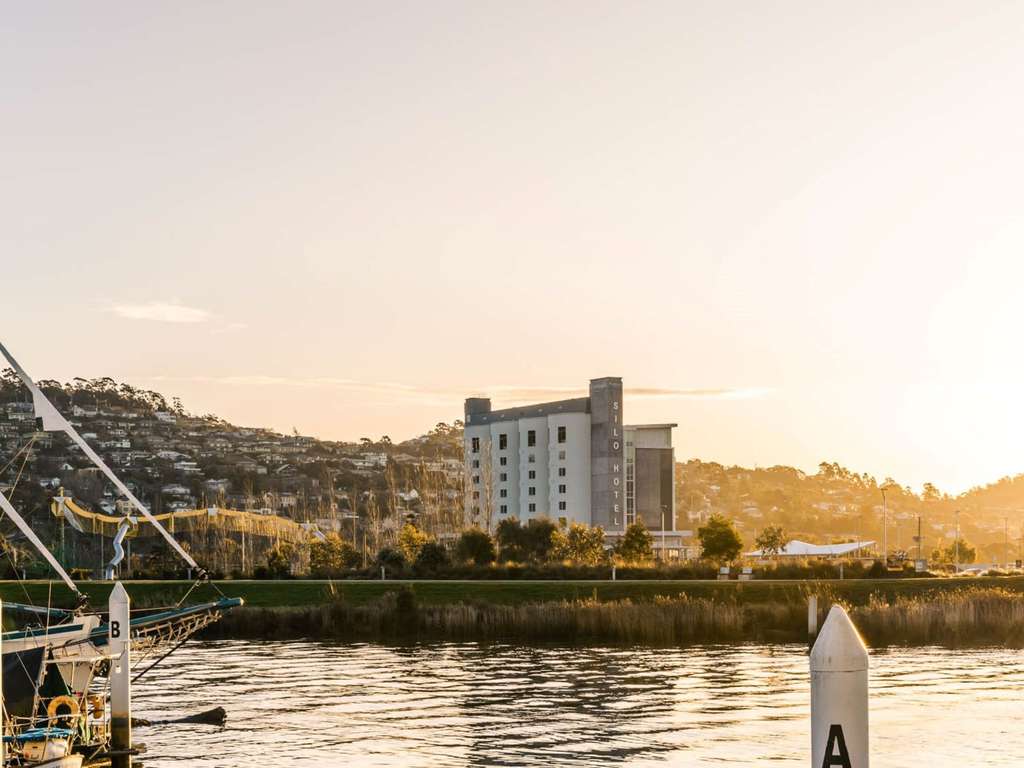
x,y
567,460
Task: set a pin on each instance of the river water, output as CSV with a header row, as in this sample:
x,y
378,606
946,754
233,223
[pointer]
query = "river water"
x,y
319,704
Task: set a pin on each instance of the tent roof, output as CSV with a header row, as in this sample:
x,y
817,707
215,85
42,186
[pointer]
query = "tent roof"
x,y
796,548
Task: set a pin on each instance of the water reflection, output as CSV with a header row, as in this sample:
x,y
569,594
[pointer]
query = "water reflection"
x,y
314,704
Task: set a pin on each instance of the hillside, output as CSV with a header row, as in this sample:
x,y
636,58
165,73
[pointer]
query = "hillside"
x,y
177,460
836,504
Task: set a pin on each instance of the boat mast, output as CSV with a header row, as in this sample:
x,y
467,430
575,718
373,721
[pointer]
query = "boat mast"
x,y
53,421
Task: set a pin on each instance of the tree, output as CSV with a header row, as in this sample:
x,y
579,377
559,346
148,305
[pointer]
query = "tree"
x,y
537,539
957,552
411,541
719,540
581,544
331,556
430,557
636,546
771,540
510,539
389,557
530,543
476,547
279,561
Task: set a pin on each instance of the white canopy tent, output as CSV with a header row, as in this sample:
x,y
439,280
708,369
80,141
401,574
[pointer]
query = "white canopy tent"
x,y
796,548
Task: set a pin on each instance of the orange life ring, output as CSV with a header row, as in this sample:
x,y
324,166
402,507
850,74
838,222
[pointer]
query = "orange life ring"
x,y
63,701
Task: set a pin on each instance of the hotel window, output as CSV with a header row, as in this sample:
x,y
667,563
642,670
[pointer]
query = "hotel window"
x,y
561,489
476,463
561,471
504,460
561,507
532,507
476,479
476,494
504,493
531,459
532,490
561,455
504,509
503,476
561,434
476,510
476,445
531,437
533,474
502,442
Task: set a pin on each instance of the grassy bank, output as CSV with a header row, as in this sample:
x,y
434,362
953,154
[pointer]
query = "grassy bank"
x,y
298,593
920,611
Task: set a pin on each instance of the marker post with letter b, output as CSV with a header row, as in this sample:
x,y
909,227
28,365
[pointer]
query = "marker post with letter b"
x,y
119,645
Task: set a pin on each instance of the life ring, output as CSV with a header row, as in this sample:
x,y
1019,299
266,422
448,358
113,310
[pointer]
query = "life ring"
x,y
63,701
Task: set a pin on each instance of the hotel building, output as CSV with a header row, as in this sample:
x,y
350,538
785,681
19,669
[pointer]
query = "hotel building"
x,y
571,461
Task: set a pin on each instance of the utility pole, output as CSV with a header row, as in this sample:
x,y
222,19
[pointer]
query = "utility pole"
x,y
1006,543
956,545
885,528
918,539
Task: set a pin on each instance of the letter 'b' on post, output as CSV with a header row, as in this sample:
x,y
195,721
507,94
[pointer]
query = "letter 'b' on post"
x,y
119,647
839,695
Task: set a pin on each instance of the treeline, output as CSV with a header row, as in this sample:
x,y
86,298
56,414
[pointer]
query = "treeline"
x,y
98,392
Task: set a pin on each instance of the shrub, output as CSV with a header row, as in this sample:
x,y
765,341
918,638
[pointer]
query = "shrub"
x,y
719,540
431,557
476,547
410,541
636,546
390,557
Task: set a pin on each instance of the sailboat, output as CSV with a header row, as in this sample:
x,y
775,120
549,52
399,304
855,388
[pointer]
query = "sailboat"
x,y
68,646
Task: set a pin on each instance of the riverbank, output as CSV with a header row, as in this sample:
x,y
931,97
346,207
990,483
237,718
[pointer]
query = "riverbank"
x,y
300,593
970,616
958,612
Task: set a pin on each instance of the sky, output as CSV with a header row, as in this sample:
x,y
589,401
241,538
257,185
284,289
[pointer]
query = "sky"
x,y
792,228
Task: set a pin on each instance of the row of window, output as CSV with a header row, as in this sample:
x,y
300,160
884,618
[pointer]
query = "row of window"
x,y
533,475
531,459
532,508
531,439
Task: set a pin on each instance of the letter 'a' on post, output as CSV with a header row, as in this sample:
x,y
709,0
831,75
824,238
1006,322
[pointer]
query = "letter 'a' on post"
x,y
839,695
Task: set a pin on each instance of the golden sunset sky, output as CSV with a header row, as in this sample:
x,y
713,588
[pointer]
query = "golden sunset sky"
x,y
795,229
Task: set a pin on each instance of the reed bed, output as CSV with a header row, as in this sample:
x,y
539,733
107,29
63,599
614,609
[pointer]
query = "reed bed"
x,y
966,617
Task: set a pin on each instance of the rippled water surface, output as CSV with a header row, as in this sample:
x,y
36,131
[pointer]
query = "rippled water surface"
x,y
305,703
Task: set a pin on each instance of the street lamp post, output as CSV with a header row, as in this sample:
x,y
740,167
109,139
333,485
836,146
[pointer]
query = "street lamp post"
x,y
956,545
885,528
663,511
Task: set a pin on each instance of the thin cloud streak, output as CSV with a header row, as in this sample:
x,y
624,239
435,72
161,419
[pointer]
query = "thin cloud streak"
x,y
501,393
161,312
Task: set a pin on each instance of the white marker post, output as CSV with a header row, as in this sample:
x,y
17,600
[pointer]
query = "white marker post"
x,y
839,695
119,644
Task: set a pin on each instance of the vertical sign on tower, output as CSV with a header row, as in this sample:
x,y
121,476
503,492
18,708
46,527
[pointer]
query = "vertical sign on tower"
x,y
607,452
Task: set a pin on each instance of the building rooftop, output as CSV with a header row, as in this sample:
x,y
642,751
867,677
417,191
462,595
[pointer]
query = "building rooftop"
x,y
574,405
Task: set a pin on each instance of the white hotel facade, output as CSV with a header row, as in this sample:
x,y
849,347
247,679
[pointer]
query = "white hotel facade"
x,y
570,461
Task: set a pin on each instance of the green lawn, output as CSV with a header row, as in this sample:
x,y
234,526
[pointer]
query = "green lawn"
x,y
298,593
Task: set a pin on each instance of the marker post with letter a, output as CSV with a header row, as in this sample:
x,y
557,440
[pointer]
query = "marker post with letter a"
x,y
119,645
839,695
